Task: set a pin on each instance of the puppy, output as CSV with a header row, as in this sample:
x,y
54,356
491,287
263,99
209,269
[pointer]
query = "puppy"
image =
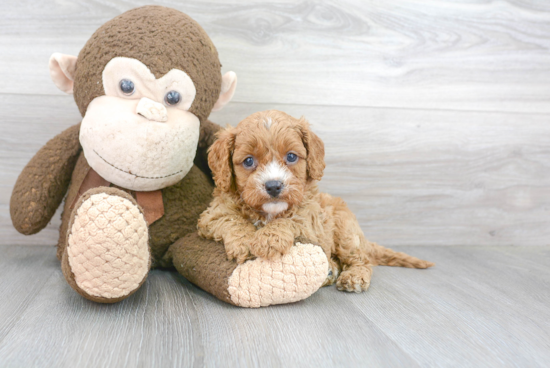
x,y
266,172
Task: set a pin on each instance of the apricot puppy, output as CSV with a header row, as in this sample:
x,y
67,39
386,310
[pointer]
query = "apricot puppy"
x,y
266,172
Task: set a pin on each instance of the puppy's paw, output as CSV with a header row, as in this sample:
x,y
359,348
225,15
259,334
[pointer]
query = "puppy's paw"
x,y
271,245
333,272
356,279
238,251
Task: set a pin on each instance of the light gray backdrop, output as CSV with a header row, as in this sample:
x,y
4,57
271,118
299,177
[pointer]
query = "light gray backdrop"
x,y
435,114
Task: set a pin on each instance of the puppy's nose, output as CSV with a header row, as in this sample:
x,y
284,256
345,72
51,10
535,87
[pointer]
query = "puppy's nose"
x,y
274,187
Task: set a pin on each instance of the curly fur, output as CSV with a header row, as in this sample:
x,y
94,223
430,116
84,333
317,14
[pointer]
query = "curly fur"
x,y
251,223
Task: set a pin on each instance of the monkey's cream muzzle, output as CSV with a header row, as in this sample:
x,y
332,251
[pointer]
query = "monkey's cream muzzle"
x,y
131,138
134,150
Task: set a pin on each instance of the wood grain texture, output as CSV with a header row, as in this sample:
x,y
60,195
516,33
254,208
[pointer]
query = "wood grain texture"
x,y
484,307
412,177
480,307
23,273
446,175
475,55
429,177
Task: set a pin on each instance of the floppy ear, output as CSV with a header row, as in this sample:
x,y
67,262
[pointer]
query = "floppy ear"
x,y
62,70
219,159
315,151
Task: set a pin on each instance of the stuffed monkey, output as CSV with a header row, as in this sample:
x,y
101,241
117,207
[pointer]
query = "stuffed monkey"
x,y
134,172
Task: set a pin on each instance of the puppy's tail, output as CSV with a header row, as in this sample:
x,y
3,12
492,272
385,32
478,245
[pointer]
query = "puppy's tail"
x,y
388,257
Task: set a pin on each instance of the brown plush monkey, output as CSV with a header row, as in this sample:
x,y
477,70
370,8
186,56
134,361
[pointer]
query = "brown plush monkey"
x,y
134,173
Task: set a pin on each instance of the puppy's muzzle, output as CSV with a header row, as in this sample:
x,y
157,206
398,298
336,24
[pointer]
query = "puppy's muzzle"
x,y
274,188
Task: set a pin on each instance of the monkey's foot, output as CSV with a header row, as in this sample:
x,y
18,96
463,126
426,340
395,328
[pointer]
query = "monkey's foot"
x,y
259,283
255,283
107,256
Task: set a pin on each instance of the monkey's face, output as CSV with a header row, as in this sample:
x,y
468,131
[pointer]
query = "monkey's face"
x,y
143,83
140,135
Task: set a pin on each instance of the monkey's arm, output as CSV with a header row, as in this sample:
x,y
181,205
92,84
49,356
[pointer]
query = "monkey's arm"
x,y
43,183
221,224
207,137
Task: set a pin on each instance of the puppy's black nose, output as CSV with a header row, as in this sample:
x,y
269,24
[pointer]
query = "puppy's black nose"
x,y
274,187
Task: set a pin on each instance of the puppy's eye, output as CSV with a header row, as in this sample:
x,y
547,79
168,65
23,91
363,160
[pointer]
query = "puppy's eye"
x,y
291,158
127,87
248,162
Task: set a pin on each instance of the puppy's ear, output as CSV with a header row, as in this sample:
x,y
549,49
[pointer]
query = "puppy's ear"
x,y
315,151
219,159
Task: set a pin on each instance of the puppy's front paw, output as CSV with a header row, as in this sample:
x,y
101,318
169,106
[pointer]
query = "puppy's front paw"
x,y
355,279
271,245
238,251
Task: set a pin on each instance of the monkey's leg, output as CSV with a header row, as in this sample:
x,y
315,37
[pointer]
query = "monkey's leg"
x,y
107,257
255,283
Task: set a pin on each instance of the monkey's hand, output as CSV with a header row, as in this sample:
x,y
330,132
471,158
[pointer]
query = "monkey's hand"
x,y
43,183
273,240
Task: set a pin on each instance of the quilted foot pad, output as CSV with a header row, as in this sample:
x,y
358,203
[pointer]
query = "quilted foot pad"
x,y
108,250
299,273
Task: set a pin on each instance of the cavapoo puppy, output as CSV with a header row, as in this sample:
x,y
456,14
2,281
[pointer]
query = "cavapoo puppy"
x,y
266,171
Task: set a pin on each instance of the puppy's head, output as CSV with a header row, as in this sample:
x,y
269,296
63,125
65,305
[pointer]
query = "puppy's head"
x,y
268,159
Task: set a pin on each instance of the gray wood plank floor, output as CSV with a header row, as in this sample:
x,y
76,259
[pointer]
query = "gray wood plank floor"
x,y
480,306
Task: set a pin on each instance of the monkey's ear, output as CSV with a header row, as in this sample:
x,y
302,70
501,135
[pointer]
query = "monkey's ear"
x,y
315,151
229,84
62,70
219,159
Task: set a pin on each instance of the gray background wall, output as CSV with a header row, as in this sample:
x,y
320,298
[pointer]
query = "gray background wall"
x,y
435,114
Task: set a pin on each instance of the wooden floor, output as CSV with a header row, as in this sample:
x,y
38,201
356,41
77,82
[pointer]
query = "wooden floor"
x,y
480,306
436,121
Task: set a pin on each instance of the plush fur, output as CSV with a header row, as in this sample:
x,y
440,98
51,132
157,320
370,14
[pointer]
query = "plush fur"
x,y
162,39
253,223
192,193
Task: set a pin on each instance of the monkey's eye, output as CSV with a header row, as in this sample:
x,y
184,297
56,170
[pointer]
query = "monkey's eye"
x,y
172,97
248,162
291,158
127,87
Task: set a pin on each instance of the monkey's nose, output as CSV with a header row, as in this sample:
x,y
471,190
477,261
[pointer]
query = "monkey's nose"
x,y
152,110
274,187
